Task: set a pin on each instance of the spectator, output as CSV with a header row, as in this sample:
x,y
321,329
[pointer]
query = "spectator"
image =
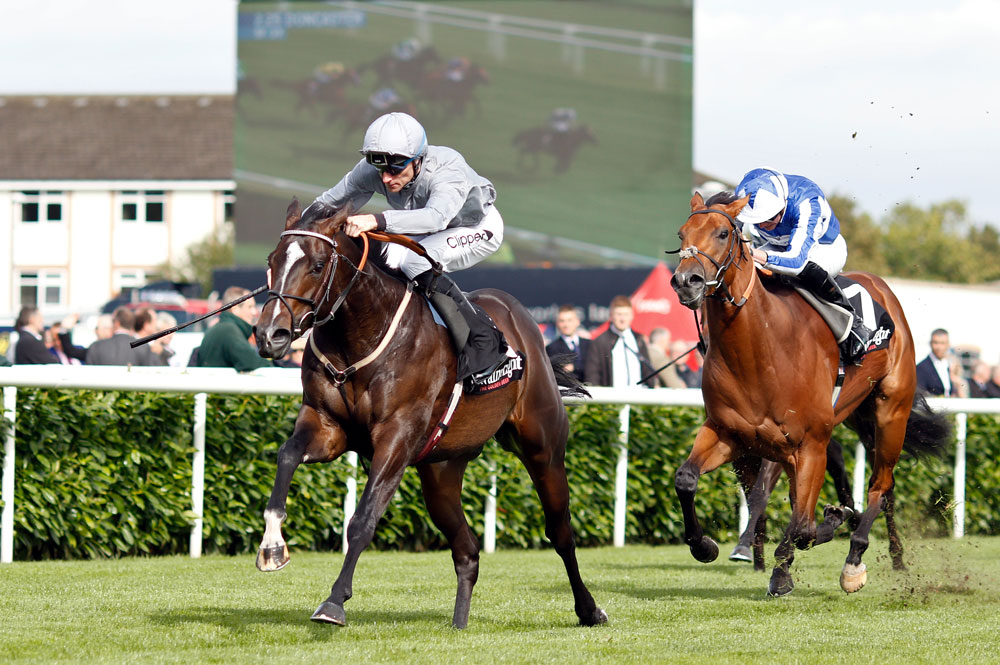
x,y
31,348
659,355
63,333
570,340
53,340
227,343
145,325
618,357
167,352
979,382
691,377
934,371
117,350
993,388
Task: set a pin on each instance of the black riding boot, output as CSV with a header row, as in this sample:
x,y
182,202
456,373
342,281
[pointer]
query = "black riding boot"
x,y
819,282
479,345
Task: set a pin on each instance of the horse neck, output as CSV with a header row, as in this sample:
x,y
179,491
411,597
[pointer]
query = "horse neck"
x,y
364,317
730,326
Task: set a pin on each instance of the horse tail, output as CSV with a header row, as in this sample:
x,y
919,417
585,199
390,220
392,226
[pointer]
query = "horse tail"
x,y
569,385
928,432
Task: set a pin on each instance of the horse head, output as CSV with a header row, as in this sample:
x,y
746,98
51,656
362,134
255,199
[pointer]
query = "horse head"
x,y
302,274
711,242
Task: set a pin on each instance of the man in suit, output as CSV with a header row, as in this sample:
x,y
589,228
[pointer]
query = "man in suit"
x,y
979,382
933,372
619,357
659,355
116,350
31,349
569,340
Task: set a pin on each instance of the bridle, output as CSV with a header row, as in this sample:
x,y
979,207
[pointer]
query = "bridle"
x,y
735,251
299,327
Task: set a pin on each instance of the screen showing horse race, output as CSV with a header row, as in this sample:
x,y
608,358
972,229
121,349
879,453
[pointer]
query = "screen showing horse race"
x,y
579,112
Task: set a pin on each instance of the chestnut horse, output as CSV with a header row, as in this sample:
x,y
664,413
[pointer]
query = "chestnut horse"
x,y
376,379
768,380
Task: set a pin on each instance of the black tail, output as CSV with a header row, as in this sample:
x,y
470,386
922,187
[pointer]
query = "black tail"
x,y
569,385
928,433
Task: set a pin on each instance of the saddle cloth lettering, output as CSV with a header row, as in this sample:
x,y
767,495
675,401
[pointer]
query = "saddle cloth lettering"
x,y
873,315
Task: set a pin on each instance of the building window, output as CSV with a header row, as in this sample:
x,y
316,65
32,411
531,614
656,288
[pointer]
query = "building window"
x,y
145,206
41,206
42,288
129,278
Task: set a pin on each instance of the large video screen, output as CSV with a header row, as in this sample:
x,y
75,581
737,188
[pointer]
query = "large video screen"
x,y
579,112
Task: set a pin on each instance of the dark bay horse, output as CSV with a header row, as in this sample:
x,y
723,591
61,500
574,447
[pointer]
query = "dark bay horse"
x,y
376,378
562,146
768,380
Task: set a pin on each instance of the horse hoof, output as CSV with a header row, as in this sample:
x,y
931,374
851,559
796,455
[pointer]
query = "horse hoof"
x,y
705,551
330,613
741,553
270,559
781,584
596,618
852,578
833,512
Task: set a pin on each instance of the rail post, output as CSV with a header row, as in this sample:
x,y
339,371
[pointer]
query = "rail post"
x,y
198,473
7,493
621,477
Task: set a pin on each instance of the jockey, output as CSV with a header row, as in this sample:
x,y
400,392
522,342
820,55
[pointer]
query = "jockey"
x,y
437,199
794,232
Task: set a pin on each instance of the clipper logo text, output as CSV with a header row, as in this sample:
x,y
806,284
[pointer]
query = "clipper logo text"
x,y
457,241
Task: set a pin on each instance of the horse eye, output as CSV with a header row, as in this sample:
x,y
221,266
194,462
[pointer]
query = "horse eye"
x,y
723,234
318,267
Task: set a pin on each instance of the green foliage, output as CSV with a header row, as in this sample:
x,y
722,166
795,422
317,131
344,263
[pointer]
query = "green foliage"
x,y
109,474
214,251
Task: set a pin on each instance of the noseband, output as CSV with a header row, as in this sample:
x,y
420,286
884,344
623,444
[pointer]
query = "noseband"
x,y
717,283
300,327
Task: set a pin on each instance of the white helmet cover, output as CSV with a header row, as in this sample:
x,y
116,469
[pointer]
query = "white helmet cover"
x,y
395,134
768,191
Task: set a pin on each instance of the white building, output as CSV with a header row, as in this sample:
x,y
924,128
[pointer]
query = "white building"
x,y
97,192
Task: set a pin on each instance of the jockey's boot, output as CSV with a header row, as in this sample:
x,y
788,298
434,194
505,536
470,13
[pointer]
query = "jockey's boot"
x,y
818,281
479,345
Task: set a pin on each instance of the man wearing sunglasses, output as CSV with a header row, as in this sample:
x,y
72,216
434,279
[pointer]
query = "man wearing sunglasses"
x,y
436,198
794,232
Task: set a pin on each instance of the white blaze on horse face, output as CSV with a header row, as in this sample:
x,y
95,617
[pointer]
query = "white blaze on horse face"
x,y
292,254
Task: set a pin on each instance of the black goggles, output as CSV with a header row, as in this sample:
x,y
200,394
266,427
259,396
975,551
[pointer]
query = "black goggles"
x,y
391,164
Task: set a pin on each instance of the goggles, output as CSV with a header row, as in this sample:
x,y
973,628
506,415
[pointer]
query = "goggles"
x,y
391,164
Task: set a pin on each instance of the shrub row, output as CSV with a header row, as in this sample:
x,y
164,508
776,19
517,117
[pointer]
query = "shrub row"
x,y
105,474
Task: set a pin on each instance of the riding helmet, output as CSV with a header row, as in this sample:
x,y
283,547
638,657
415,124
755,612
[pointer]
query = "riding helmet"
x,y
768,191
395,134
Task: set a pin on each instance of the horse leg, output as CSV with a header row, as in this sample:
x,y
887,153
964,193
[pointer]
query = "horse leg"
x,y
891,414
841,481
895,544
311,441
441,484
542,450
757,496
708,453
805,481
388,465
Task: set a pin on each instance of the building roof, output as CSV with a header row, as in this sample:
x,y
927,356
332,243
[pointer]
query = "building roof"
x,y
116,138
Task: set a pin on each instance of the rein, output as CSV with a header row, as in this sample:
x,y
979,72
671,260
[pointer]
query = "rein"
x,y
299,328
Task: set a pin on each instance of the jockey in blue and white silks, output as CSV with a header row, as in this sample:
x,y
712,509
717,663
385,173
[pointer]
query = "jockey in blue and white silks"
x,y
794,232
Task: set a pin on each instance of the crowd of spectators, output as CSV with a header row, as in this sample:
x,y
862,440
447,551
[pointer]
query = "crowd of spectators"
x,y
621,356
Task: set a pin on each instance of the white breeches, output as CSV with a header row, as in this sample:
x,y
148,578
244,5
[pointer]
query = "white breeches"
x,y
454,248
830,257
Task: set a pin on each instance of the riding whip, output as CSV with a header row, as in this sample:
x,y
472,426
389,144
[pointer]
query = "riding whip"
x,y
164,333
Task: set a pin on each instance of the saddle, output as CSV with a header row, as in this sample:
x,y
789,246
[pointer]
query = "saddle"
x,y
873,315
507,372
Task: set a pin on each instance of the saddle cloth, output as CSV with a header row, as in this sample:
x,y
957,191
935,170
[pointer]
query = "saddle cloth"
x,y
873,315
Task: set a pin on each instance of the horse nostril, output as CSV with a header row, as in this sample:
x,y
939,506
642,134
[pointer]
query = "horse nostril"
x,y
280,337
695,280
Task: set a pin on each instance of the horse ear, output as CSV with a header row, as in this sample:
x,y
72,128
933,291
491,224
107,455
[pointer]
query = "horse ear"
x,y
331,225
293,214
736,206
697,202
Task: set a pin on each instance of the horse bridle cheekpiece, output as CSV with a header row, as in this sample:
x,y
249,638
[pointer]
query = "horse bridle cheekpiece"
x,y
300,327
693,252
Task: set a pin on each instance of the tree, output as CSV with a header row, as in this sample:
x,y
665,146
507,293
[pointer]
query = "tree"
x,y
213,251
863,236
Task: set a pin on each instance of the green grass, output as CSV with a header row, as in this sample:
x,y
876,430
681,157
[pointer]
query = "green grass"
x,y
663,607
628,192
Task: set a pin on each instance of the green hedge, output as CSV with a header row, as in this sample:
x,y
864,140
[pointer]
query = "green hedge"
x,y
105,474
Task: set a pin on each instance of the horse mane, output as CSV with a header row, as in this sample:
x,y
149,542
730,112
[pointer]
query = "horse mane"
x,y
724,197
318,211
